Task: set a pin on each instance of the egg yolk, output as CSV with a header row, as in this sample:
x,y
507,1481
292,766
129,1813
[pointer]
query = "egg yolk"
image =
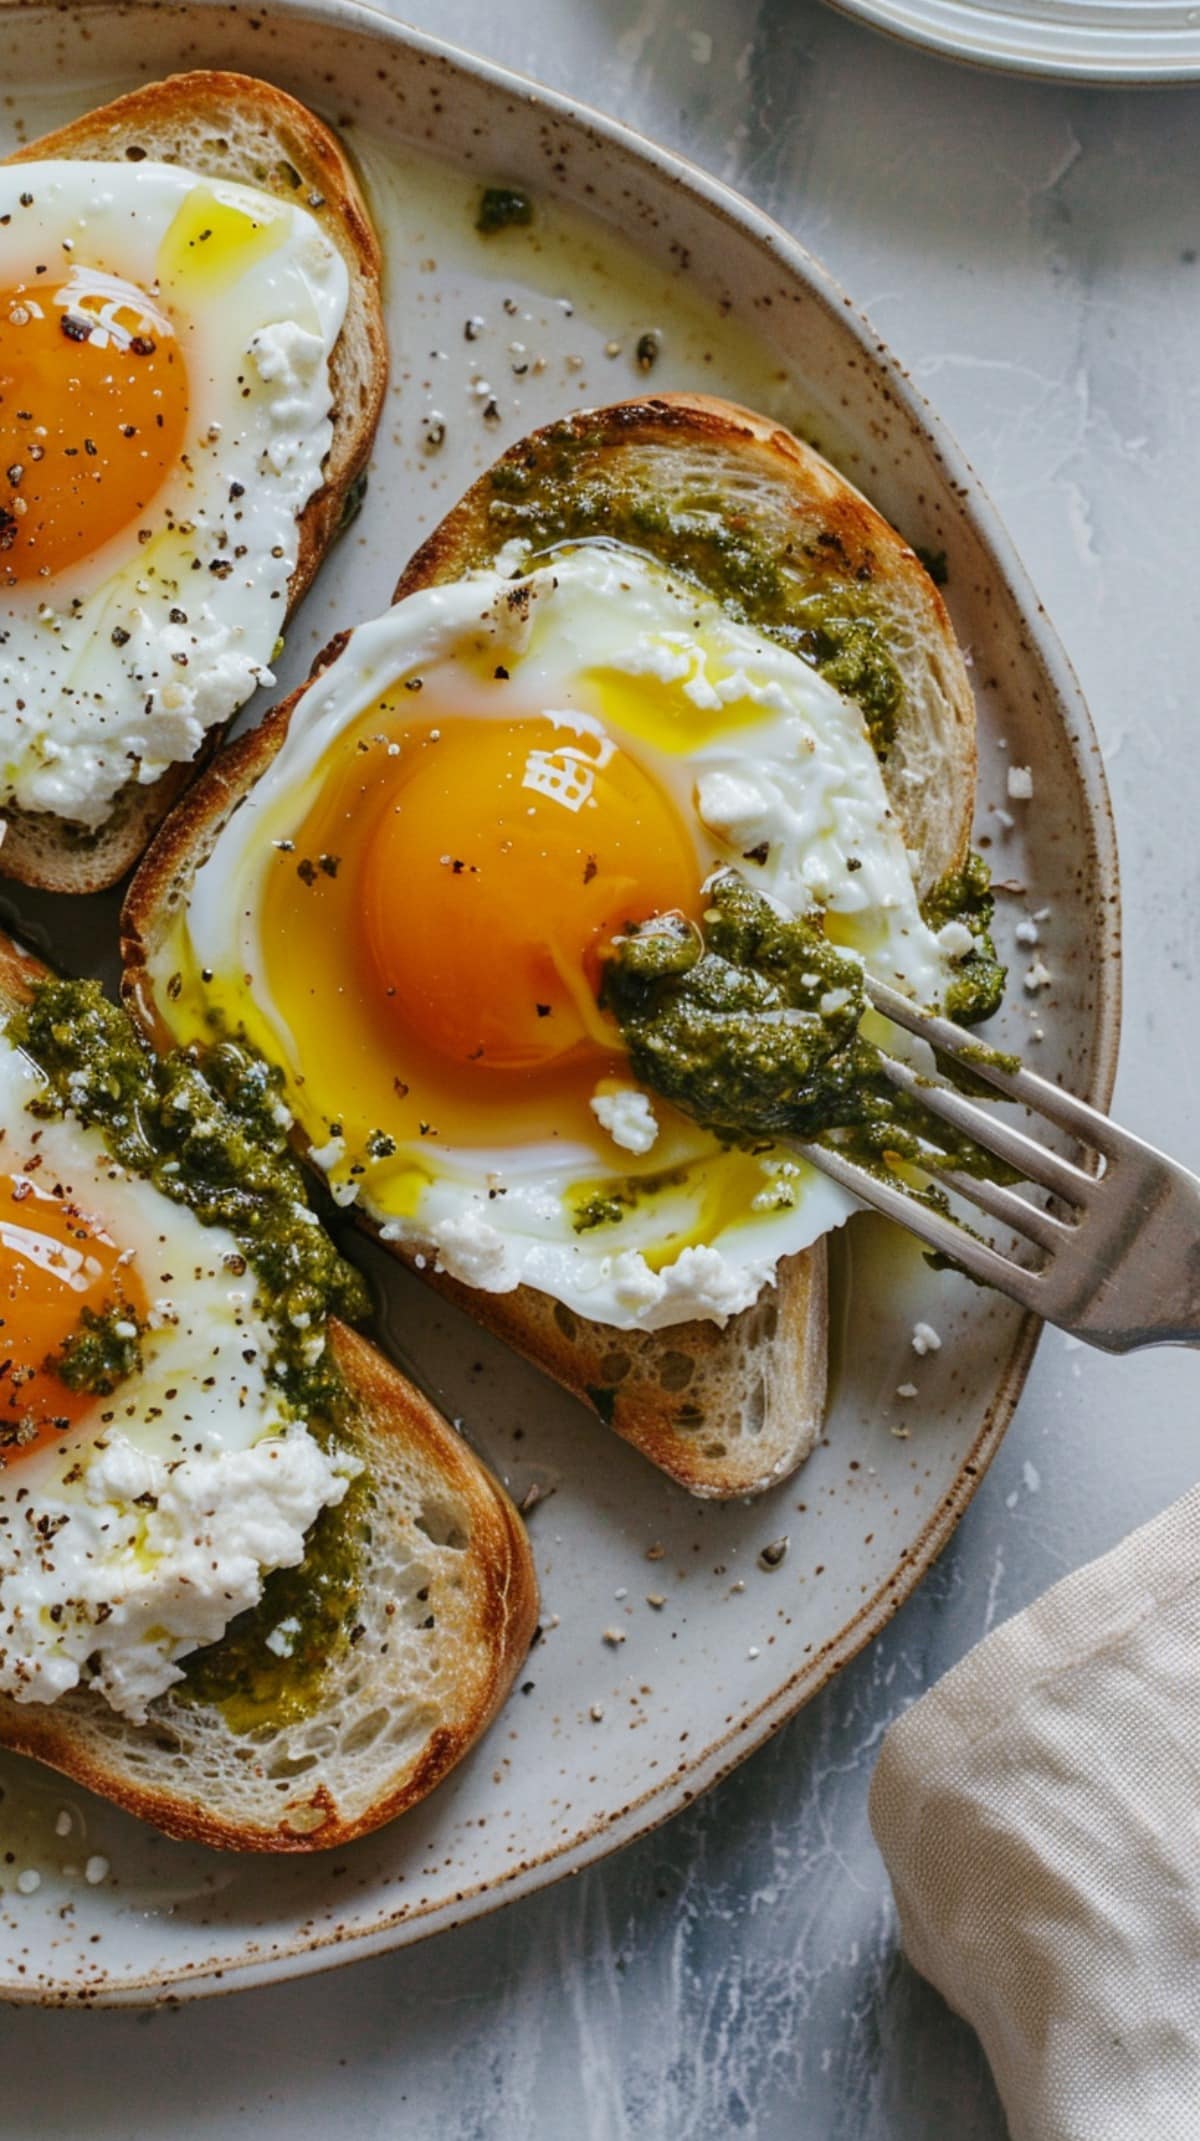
x,y
509,856
93,410
55,1262
432,922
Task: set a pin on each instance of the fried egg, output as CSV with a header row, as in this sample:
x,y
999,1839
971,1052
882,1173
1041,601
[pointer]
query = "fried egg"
x,y
409,910
164,417
135,1524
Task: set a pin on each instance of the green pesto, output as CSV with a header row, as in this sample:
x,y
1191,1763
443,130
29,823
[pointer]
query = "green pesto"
x,y
352,503
503,208
317,1606
1001,1059
599,1209
803,595
604,1207
104,1348
754,1031
965,895
204,1125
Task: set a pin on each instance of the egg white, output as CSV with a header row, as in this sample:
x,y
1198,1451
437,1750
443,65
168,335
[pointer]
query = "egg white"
x,y
142,1531
83,712
775,772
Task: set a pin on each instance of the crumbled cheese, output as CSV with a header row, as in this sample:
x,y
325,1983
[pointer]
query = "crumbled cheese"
x,y
710,1285
955,939
471,1250
512,558
29,1882
328,1156
1038,976
1020,783
925,1339
1027,933
732,804
150,1557
96,1870
906,1390
282,1640
628,1116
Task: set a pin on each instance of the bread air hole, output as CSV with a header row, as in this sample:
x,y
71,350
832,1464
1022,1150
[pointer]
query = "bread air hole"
x,y
676,1371
365,1733
411,1724
615,1367
754,1411
441,1526
285,1767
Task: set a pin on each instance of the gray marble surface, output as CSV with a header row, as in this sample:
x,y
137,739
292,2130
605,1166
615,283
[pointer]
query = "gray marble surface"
x,y
1031,254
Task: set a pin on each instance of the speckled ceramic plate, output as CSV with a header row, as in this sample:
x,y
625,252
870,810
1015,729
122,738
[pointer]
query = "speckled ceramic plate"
x,y
1111,41
603,1738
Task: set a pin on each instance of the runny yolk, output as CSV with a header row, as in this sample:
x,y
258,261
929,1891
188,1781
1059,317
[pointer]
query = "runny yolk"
x,y
55,1262
507,858
93,411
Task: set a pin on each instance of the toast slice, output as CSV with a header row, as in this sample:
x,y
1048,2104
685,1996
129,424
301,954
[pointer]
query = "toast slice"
x,y
225,126
699,483
444,1613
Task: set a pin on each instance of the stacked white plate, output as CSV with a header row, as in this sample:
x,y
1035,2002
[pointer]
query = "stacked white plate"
x,y
1110,41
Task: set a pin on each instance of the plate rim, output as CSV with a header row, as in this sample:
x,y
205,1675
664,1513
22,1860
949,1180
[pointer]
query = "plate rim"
x,y
312,1952
890,18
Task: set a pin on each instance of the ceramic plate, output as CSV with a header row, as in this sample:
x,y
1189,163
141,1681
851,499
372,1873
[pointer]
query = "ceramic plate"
x,y
1110,41
602,1738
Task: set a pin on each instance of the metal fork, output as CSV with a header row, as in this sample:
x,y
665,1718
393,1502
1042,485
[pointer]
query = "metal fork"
x,y
1120,1267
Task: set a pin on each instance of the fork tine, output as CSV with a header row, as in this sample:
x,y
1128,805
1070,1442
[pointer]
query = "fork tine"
x,y
1064,1109
1024,1153
934,1228
1014,1211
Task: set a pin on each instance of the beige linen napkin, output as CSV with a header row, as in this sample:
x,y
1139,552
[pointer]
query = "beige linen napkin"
x,y
1039,1813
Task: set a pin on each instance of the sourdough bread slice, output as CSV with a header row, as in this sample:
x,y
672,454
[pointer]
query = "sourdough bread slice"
x,y
444,1613
225,126
744,508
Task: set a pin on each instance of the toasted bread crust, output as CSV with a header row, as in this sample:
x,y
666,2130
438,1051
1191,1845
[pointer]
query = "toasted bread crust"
x,y
51,854
82,1739
810,506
